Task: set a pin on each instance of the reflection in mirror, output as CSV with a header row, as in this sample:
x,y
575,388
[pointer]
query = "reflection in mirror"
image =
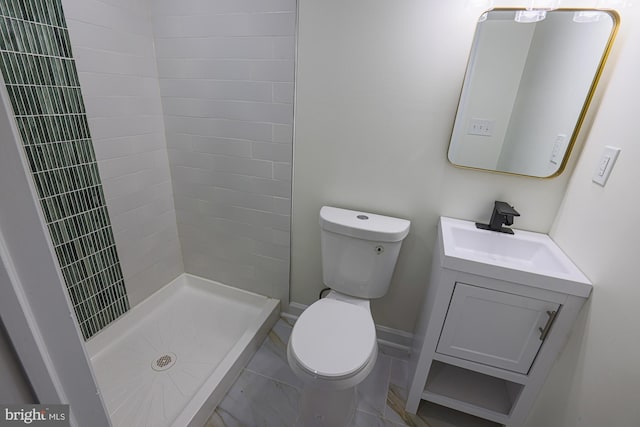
x,y
527,87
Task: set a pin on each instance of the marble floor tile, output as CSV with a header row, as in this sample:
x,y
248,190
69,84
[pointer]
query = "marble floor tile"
x,y
362,419
394,411
267,394
399,375
255,401
396,395
271,358
372,392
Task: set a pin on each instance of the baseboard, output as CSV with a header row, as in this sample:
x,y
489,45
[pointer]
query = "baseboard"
x,y
295,310
391,341
394,341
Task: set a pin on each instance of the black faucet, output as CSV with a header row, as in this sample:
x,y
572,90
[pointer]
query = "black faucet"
x,y
502,213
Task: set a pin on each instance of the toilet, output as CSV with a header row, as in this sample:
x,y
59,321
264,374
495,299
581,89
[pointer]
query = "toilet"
x,y
333,347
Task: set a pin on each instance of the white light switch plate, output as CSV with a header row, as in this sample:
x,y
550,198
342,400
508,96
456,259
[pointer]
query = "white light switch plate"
x,y
605,164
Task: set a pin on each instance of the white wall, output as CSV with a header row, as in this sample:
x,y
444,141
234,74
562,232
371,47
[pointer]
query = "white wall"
x,y
596,381
15,384
226,75
113,46
377,87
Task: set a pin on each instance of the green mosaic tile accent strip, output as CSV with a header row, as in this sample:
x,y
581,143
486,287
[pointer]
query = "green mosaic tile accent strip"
x,y
43,86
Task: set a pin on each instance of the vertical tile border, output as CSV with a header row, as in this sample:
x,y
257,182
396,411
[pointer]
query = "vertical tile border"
x,y
44,90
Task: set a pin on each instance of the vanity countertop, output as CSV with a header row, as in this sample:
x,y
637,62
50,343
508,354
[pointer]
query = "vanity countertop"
x,y
525,257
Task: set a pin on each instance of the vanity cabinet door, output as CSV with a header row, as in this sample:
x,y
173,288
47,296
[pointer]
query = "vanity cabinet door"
x,y
495,328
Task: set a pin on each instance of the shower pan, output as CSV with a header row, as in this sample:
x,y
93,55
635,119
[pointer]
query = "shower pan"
x,y
170,360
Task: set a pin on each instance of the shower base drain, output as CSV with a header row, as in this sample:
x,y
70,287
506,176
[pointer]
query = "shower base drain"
x,y
164,362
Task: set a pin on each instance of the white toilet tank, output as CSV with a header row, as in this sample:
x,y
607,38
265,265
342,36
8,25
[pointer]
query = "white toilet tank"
x,y
359,250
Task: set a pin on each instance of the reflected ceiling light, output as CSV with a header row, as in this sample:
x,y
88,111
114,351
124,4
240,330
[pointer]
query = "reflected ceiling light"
x,y
483,17
530,16
585,16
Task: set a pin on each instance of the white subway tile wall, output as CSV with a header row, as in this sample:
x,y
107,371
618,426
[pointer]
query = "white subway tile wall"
x,y
226,70
113,45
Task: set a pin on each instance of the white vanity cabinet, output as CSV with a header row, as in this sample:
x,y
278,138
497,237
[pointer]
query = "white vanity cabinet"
x,y
495,328
489,330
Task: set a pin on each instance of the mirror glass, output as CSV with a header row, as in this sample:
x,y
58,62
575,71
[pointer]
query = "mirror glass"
x,y
527,88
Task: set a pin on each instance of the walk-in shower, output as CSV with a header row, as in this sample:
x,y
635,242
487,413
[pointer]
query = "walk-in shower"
x,y
157,138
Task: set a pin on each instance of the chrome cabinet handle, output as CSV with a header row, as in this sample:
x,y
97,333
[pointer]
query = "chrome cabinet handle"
x,y
545,331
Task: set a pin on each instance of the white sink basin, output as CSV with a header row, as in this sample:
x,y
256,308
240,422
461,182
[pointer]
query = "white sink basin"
x,y
524,257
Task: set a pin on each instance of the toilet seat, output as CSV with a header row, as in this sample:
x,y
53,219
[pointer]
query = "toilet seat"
x,y
333,339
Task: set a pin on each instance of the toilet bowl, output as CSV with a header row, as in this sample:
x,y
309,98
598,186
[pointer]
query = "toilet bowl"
x,y
333,344
333,347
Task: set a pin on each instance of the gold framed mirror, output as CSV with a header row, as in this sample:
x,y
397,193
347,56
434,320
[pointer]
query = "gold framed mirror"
x,y
529,81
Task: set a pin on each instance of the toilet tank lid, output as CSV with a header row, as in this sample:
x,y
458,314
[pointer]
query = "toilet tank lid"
x,y
363,225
